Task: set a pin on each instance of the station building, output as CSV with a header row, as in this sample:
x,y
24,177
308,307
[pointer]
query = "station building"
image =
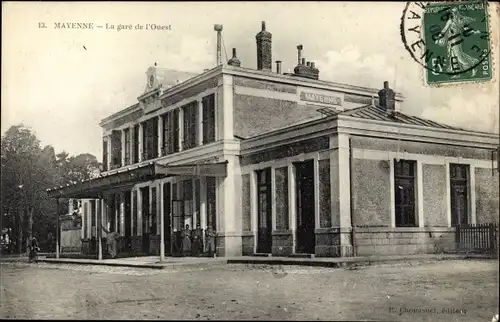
x,y
284,164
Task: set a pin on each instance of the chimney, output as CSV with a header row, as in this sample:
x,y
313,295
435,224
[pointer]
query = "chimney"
x,y
234,61
386,98
313,65
264,49
278,66
303,61
308,64
299,53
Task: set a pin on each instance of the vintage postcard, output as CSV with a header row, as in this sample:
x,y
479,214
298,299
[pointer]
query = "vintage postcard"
x,y
250,160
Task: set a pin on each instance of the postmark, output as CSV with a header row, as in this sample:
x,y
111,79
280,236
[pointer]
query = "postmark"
x,y
450,40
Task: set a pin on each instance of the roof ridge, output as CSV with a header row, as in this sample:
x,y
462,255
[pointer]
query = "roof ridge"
x,y
353,110
376,112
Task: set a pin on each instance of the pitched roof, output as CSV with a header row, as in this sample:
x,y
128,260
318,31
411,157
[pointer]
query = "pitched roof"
x,y
171,77
377,113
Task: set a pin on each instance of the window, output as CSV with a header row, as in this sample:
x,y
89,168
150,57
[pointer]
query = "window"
x,y
404,181
190,129
135,158
459,186
116,148
150,139
208,121
171,132
105,155
127,146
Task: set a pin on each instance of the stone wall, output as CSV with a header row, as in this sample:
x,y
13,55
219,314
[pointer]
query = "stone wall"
x,y
371,193
282,243
327,242
486,196
434,178
281,198
248,241
387,241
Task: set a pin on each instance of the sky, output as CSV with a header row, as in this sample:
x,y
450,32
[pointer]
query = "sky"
x,y
62,82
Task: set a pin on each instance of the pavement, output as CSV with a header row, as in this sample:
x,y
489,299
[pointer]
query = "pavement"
x,y
436,291
153,262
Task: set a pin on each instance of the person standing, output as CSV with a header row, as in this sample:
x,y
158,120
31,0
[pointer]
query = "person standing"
x,y
34,249
211,234
186,241
111,241
197,240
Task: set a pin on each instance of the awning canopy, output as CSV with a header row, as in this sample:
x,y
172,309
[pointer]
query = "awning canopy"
x,y
125,179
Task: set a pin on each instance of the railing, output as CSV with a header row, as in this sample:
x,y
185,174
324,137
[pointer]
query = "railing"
x,y
480,238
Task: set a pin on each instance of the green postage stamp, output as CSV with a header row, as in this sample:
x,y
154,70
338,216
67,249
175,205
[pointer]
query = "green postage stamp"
x,y
453,41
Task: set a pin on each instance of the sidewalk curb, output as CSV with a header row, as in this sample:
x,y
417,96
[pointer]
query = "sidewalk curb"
x,y
134,265
349,262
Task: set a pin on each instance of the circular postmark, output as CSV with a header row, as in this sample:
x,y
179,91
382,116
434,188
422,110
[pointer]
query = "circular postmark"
x,y
449,39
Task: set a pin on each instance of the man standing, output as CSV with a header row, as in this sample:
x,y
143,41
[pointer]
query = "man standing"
x,y
197,241
211,234
111,241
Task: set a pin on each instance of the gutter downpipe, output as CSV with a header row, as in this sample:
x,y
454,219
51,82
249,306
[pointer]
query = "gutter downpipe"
x,y
352,200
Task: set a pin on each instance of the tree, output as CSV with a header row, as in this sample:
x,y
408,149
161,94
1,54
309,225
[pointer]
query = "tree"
x,y
27,172
21,177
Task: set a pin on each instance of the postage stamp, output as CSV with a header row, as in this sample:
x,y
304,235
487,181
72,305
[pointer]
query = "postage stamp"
x,y
451,40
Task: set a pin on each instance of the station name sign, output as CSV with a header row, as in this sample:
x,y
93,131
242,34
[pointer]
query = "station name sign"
x,y
321,98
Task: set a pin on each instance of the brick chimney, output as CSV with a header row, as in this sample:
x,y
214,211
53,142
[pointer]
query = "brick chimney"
x,y
234,61
305,68
264,49
386,98
278,66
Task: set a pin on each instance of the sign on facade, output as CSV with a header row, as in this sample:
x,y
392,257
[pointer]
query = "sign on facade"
x,y
321,98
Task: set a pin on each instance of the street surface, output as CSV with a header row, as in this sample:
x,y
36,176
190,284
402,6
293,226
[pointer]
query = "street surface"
x,y
428,291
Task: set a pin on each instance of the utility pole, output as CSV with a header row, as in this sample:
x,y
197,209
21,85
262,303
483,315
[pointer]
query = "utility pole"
x,y
58,227
218,28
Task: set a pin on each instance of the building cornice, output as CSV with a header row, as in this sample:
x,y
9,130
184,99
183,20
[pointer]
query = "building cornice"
x,y
407,132
120,114
369,128
304,82
255,74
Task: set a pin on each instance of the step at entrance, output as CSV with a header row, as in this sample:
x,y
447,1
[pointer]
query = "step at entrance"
x,y
302,255
262,255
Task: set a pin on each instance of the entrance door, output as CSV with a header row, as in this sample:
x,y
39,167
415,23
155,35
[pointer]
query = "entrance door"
x,y
128,220
145,220
166,217
305,207
264,237
177,226
459,194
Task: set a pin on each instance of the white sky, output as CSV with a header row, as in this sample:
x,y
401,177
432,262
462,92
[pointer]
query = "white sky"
x,y
62,91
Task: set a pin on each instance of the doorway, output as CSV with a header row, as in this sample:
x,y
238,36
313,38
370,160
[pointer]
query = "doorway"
x,y
145,220
264,209
305,207
459,175
128,220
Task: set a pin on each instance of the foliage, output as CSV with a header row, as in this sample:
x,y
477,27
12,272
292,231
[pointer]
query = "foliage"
x,y
27,172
